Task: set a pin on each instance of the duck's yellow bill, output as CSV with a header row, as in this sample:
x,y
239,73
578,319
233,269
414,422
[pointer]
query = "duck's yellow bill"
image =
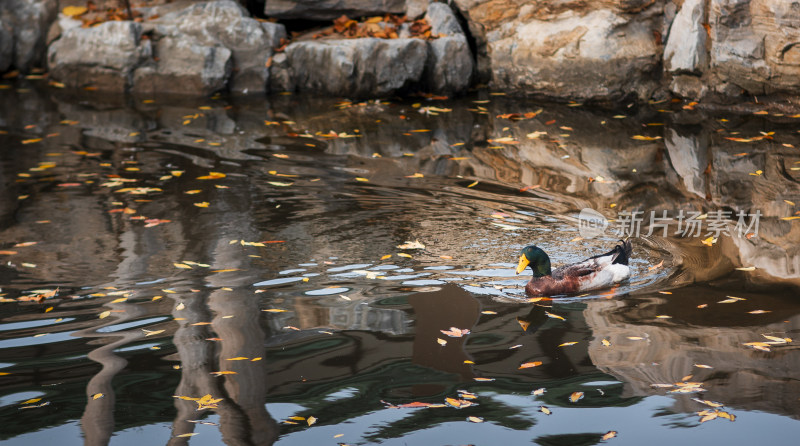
x,y
523,263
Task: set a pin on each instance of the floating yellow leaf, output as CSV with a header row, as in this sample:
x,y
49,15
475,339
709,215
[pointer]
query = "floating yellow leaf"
x,y
387,256
97,396
212,176
703,366
275,310
473,184
759,311
104,314
190,434
483,379
545,410
567,344
181,265
224,372
311,420
441,341
554,316
528,365
411,245
524,324
606,342
748,268
202,204
575,397
402,254
361,179
473,419
609,435
152,332
538,392
635,338
31,141
31,401
238,358
645,138
488,312
180,306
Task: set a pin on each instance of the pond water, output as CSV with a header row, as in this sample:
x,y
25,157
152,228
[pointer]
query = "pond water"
x,y
228,271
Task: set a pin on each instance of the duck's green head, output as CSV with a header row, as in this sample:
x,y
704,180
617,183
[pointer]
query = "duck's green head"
x,y
535,258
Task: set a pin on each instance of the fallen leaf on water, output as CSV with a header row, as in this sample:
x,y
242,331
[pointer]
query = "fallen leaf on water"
x,y
777,339
524,324
763,346
97,396
151,332
181,265
387,256
528,365
759,311
730,300
104,314
606,342
441,341
609,435
458,403
180,306
488,312
575,397
311,420
202,204
472,419
748,268
279,184
660,264
531,300
190,434
455,332
238,358
539,391
645,138
665,292
473,184
702,306
31,401
545,410
483,379
554,316
212,176
411,245
709,241
703,366
567,344
362,179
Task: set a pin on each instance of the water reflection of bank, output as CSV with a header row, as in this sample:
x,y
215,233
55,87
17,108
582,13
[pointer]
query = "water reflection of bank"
x,y
739,377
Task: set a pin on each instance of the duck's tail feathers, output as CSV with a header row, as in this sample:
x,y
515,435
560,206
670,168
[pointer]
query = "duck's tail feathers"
x,y
622,252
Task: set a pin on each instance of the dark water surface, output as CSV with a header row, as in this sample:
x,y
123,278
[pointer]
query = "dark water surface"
x,y
148,245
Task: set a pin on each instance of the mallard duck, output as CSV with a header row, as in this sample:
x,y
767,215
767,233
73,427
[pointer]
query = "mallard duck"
x,y
595,272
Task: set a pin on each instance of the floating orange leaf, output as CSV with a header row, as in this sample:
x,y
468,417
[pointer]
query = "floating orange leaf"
x,y
528,365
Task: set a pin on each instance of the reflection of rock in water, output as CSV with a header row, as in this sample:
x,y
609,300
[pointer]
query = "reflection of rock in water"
x,y
440,310
741,377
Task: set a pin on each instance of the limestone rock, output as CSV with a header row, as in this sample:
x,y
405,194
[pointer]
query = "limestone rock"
x,y
331,9
184,67
23,26
364,67
103,56
756,44
222,24
685,51
600,55
450,64
416,8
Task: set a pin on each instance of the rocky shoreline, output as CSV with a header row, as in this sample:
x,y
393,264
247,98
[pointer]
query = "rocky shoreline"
x,y
720,53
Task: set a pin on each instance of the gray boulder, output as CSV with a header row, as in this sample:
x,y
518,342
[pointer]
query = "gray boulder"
x,y
184,67
450,64
102,56
685,51
356,67
216,25
331,9
23,29
600,51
